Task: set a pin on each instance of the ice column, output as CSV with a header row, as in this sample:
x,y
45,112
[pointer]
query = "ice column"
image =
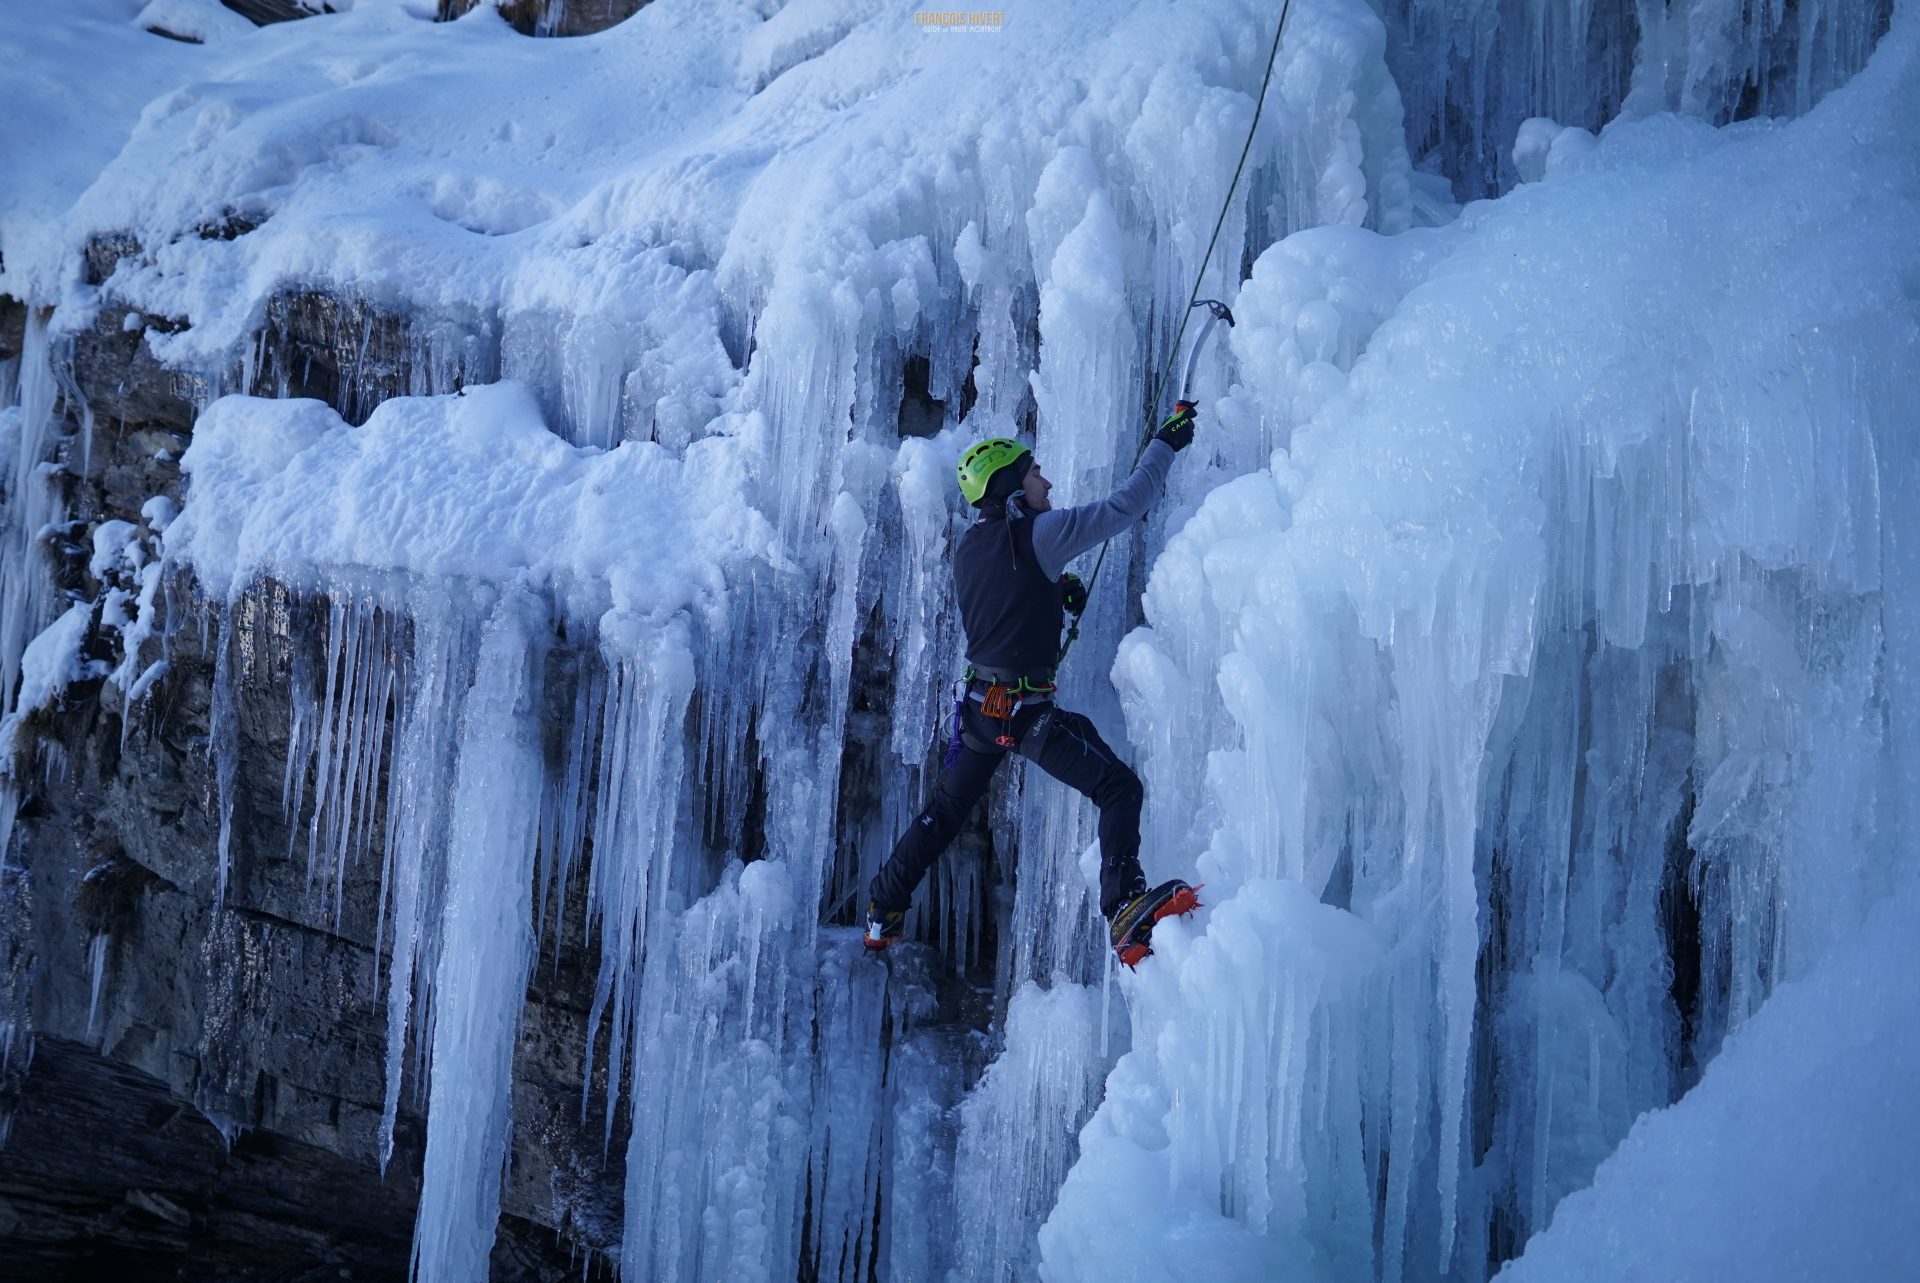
x,y
925,630
1708,57
715,1160
849,1093
1013,1150
28,419
485,949
1084,388
1487,65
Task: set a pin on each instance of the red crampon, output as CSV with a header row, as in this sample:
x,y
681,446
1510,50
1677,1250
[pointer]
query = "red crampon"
x,y
1133,924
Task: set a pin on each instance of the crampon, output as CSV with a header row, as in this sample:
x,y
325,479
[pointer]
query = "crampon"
x,y
884,928
1132,926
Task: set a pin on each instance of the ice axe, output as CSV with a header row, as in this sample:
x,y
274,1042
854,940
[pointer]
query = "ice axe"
x,y
1216,313
1216,310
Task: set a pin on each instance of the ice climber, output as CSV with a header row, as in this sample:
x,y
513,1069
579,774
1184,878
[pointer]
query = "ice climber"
x,y
1008,574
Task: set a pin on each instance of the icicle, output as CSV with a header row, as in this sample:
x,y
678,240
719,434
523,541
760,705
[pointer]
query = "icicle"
x,y
650,679
485,951
223,737
32,503
420,789
97,978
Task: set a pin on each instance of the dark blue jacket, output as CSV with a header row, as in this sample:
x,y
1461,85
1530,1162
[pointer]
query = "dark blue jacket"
x,y
1007,565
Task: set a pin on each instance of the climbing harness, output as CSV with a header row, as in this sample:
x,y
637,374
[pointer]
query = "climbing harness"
x,y
1216,310
1001,696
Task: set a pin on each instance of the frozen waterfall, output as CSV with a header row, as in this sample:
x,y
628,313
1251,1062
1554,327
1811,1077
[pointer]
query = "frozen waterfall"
x,y
1524,659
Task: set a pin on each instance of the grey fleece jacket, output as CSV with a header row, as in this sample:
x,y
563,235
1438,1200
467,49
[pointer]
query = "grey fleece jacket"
x,y
1061,534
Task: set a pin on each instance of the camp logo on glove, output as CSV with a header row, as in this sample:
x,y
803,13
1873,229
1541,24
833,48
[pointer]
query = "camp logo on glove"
x,y
1177,431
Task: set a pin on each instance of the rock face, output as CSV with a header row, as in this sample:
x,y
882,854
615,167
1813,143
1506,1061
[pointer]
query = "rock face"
x,y
203,1086
180,1203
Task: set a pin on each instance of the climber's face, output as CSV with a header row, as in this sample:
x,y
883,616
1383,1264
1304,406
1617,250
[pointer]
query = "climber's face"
x,y
1035,487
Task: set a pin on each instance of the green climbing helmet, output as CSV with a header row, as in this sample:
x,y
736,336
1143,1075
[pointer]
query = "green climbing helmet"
x,y
981,461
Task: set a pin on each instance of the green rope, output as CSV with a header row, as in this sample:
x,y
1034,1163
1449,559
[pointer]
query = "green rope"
x,y
1173,352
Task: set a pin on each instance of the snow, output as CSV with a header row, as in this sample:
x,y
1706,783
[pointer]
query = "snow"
x,y
470,487
75,89
1533,571
201,20
1792,1159
52,662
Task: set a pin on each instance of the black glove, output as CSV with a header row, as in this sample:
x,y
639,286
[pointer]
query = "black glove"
x,y
1073,594
1177,431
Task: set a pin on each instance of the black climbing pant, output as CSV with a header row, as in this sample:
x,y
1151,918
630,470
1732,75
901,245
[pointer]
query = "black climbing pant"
x,y
1063,744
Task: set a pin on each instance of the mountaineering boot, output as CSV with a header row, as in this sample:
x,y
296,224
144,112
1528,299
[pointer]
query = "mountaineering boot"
x,y
884,926
1133,922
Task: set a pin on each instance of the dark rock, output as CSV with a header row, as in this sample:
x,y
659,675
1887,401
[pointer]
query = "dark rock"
x,y
104,252
109,1172
230,226
263,12
341,351
553,17
13,326
124,383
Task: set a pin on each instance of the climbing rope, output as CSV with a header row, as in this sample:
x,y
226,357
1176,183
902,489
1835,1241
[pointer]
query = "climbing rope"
x,y
1193,301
